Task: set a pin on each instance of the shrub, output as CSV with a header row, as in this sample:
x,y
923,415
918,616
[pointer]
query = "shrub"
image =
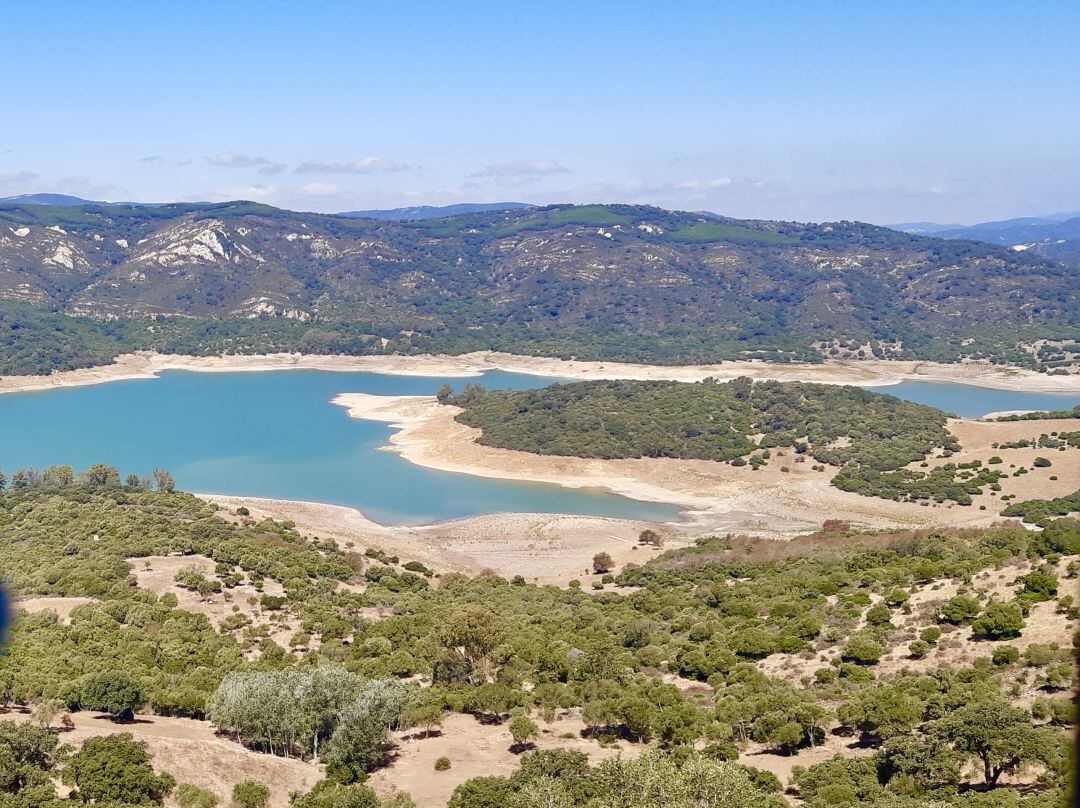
x,y
116,768
191,796
1000,620
1005,655
442,764
327,794
250,794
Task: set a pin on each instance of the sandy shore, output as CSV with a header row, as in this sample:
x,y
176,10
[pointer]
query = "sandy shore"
x,y
543,548
718,497
872,373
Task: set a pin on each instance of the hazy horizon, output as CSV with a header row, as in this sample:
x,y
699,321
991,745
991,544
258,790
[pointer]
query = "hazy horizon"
x,y
911,113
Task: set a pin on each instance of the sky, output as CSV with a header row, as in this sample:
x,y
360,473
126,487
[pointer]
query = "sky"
x,y
812,111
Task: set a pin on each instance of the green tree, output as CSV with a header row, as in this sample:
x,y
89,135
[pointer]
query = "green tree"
x,y
116,768
112,692
999,621
1000,736
327,794
926,760
100,475
191,796
863,649
468,638
164,481
482,792
959,609
27,755
654,780
250,794
521,730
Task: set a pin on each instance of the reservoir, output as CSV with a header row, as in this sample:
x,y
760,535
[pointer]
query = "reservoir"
x,y
276,434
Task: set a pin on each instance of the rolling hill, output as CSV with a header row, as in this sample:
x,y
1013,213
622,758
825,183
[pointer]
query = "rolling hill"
x,y
1056,237
79,284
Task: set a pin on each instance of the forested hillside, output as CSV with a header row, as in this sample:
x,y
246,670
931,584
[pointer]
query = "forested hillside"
x,y
80,284
788,649
870,437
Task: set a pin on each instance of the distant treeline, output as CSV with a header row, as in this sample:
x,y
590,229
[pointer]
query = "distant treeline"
x,y
1042,415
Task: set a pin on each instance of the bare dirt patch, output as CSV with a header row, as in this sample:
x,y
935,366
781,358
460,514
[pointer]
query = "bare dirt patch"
x,y
477,750
543,548
192,752
63,607
158,574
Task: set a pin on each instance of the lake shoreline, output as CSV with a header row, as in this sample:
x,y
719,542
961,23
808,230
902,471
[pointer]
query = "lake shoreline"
x,y
716,497
545,548
866,373
556,548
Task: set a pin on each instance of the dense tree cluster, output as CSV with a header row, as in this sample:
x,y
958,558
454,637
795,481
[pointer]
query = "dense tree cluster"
x,y
1040,511
872,437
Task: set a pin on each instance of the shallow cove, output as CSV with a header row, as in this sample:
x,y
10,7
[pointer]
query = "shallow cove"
x,y
275,434
969,401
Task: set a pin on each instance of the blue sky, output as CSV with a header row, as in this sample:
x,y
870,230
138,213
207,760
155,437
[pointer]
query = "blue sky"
x,y
881,111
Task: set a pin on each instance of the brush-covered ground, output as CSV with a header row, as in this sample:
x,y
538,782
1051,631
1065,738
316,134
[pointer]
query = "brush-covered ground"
x,y
203,656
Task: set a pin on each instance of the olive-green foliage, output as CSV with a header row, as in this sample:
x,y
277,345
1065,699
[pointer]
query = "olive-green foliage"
x,y
191,796
777,289
705,420
650,780
497,648
999,620
27,756
871,436
116,768
1040,511
111,692
304,711
327,794
250,794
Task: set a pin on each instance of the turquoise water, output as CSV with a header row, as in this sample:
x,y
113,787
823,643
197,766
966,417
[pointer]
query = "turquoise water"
x,y
276,434
968,401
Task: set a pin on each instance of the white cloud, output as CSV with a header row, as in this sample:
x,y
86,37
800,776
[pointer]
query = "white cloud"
x,y
17,177
84,187
369,164
703,185
254,193
320,189
519,172
233,160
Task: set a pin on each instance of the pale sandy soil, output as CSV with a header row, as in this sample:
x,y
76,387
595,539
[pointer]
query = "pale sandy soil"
x,y
158,574
146,364
543,548
477,750
62,606
956,648
191,752
781,765
977,439
718,497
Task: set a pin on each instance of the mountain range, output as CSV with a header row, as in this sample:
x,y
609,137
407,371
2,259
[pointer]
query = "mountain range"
x,y
81,283
1056,236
